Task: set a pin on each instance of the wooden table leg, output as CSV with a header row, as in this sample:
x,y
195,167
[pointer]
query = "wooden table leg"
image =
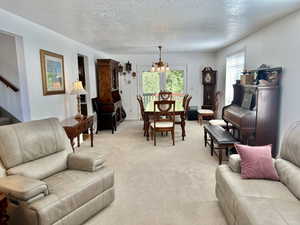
x,y
182,125
220,156
92,136
78,141
205,137
147,125
211,146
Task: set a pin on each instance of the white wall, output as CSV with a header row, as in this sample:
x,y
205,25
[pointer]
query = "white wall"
x,y
9,70
193,62
275,45
36,37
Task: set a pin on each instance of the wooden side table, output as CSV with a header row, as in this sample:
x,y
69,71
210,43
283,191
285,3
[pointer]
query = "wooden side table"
x,y
3,210
75,127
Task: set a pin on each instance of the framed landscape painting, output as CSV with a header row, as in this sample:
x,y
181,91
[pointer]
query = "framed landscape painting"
x,y
53,74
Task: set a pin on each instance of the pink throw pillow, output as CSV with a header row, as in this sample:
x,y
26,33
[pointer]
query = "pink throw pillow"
x,y
256,162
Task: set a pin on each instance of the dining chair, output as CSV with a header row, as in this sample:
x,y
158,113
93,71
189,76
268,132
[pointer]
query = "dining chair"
x,y
184,99
164,119
165,95
142,111
219,122
178,118
212,113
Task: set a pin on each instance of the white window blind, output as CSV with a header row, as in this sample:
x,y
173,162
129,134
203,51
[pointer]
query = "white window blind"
x,y
235,64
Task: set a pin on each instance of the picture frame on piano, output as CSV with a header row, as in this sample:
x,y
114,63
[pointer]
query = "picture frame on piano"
x,y
247,100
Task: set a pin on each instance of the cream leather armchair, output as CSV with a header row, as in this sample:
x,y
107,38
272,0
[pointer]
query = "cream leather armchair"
x,y
46,182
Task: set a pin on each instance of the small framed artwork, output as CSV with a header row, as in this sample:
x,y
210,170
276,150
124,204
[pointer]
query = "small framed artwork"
x,y
53,74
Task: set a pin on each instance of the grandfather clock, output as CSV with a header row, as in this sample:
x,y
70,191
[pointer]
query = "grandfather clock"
x,y
209,77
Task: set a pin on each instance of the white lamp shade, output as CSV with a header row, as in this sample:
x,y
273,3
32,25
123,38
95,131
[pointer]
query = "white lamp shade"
x,y
78,89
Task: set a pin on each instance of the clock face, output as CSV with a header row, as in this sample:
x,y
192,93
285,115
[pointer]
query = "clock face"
x,y
207,78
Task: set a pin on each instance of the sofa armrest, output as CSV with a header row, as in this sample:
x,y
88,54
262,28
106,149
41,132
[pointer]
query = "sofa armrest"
x,y
85,160
234,163
22,188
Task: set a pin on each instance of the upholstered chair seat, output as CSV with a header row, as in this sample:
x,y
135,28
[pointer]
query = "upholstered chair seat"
x,y
162,124
217,122
205,111
45,182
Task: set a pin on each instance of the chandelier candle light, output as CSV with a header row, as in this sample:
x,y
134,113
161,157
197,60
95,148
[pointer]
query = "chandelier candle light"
x,y
78,90
160,66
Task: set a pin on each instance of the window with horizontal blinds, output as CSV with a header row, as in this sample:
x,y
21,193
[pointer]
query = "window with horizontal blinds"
x,y
235,64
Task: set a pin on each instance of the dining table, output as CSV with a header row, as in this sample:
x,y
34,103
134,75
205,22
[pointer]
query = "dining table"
x,y
150,114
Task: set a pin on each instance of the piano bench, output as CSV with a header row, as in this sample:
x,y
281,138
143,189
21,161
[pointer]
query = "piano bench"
x,y
219,139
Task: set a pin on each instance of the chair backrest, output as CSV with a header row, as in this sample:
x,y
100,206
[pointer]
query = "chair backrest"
x,y
96,104
187,106
164,110
184,100
187,103
217,103
165,95
26,147
141,104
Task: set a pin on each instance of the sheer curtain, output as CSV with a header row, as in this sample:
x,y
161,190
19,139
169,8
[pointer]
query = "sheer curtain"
x,y
235,64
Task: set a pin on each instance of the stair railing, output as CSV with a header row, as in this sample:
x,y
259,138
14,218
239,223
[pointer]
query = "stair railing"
x,y
8,84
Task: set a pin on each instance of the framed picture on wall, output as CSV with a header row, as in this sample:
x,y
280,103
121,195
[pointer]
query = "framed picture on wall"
x,y
53,74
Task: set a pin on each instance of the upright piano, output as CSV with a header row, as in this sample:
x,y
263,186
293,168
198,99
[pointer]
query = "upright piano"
x,y
254,113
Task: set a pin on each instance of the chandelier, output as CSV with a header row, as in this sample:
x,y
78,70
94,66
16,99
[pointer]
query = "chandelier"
x,y
160,66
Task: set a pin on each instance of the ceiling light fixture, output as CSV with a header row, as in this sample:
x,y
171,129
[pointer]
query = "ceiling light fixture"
x,y
160,66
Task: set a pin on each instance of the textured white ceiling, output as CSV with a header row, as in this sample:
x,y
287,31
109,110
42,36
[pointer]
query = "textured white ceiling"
x,y
139,26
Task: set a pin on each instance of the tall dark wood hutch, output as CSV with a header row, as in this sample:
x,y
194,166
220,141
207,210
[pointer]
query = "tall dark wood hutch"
x,y
108,93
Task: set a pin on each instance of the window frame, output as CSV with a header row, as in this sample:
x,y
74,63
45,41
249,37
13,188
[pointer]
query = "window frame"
x,y
147,68
229,82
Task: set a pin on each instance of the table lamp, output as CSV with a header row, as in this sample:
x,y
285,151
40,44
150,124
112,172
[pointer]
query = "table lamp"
x,y
78,90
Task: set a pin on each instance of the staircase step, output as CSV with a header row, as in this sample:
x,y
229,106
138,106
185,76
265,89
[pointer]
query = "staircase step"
x,y
5,121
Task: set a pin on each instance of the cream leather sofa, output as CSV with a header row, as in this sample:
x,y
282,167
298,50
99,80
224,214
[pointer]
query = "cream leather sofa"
x,y
263,202
46,182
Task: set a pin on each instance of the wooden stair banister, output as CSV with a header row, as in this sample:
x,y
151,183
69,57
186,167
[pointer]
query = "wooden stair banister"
x,y
8,84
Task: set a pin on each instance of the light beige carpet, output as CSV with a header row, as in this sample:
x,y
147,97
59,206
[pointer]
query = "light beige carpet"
x,y
162,185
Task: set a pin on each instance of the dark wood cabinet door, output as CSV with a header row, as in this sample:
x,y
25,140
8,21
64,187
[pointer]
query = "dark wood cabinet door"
x,y
208,96
209,78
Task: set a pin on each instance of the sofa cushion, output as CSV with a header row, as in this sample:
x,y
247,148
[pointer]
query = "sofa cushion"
x,y
235,186
290,148
24,142
256,162
235,160
42,168
70,189
289,175
262,211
